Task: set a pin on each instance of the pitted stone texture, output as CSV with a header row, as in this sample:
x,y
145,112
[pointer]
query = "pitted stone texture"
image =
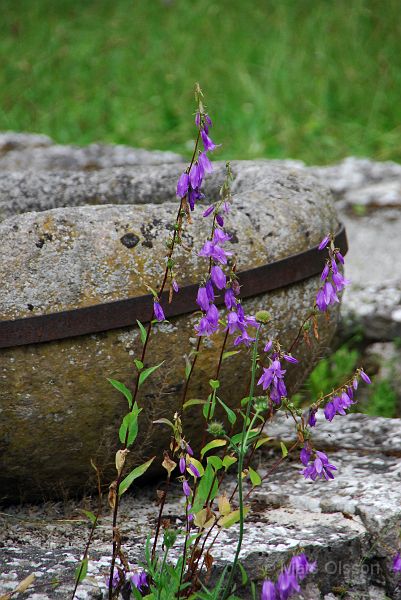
x,y
54,397
350,525
12,141
27,152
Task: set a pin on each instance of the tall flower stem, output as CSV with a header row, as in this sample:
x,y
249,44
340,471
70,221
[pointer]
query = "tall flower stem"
x,y
177,230
241,454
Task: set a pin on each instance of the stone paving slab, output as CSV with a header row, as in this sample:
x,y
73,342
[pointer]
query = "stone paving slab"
x,y
351,525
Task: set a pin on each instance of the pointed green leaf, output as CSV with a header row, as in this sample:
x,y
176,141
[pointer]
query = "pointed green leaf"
x,y
164,421
188,367
228,461
91,516
193,402
146,372
138,364
232,417
254,477
207,482
123,389
135,473
215,461
230,353
130,424
142,332
261,441
232,518
284,449
214,384
211,445
244,575
81,570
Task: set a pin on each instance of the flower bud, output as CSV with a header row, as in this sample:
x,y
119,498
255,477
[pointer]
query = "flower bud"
x,y
263,316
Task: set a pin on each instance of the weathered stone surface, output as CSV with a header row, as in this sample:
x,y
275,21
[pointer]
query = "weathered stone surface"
x,y
350,525
12,141
24,151
55,401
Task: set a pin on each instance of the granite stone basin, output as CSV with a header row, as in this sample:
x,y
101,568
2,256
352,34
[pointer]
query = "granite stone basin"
x,y
64,246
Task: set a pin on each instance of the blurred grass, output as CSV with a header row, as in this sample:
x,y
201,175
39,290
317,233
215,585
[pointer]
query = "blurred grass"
x,y
310,79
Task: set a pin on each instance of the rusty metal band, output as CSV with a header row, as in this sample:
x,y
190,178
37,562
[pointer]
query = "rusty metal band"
x,y
123,313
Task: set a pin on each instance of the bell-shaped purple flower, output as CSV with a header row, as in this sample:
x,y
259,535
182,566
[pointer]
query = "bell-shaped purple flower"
x,y
218,277
210,291
202,299
159,314
195,176
397,562
205,163
185,488
194,470
138,580
312,417
183,185
364,376
183,465
291,359
269,591
208,143
325,272
229,299
209,210
305,455
324,243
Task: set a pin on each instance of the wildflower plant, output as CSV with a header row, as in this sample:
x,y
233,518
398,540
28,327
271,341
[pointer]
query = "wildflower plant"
x,y
228,445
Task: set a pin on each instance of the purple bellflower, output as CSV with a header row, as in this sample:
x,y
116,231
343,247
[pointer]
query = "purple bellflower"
x,y
218,277
268,591
186,489
138,580
272,379
319,468
397,563
288,581
183,185
157,309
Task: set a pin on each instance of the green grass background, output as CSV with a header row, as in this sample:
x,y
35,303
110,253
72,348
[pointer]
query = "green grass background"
x,y
310,79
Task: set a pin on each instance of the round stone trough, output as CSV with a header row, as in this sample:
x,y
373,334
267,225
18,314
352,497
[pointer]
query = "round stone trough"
x,y
74,240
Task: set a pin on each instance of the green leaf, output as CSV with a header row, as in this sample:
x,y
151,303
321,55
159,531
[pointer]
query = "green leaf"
x,y
142,332
123,389
91,516
237,438
146,372
81,570
230,353
204,488
284,449
228,461
262,441
215,461
254,477
188,367
138,364
135,473
211,445
232,417
244,575
130,424
232,518
164,421
192,402
214,384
